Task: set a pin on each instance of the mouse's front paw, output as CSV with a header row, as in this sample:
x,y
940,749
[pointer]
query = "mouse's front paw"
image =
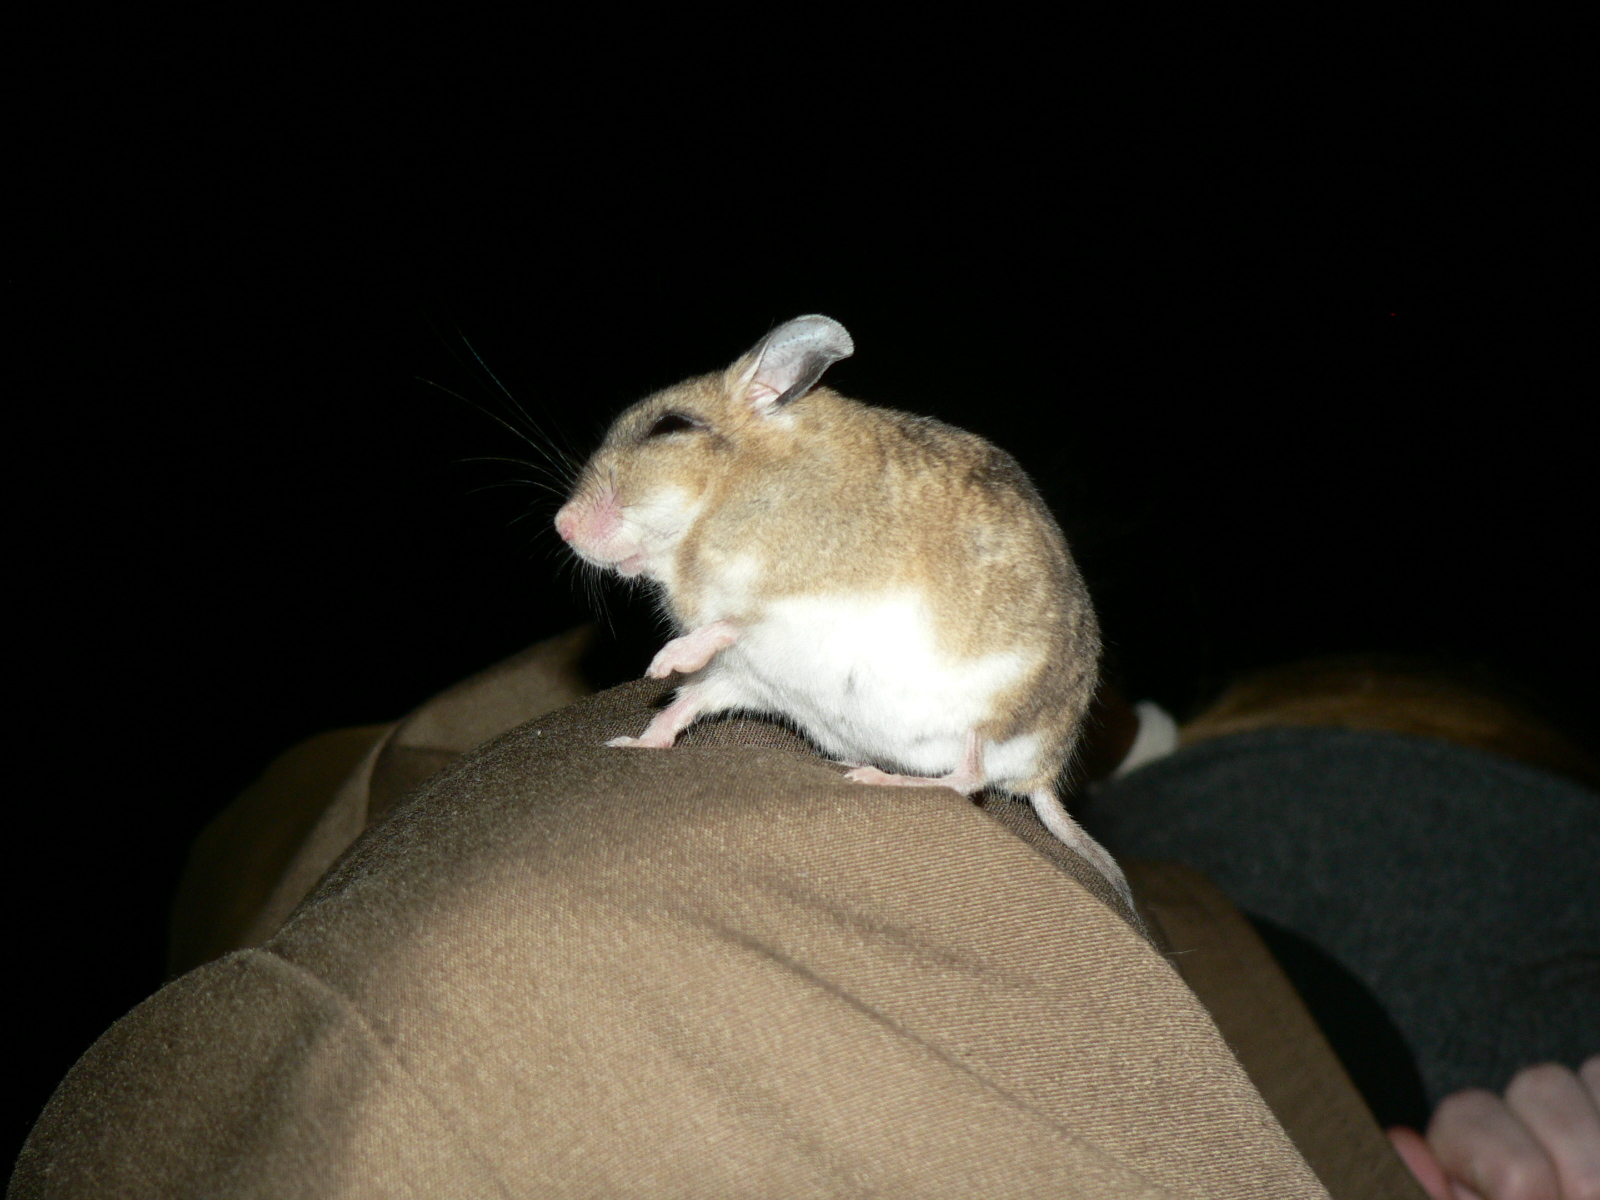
x,y
665,663
644,743
681,655
693,651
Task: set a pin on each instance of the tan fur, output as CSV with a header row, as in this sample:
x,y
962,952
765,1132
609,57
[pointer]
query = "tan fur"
x,y
831,496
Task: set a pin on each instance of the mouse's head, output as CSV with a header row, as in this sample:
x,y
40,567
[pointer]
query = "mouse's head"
x,y
665,460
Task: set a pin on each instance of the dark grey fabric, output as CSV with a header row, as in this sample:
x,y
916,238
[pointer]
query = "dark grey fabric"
x,y
1461,887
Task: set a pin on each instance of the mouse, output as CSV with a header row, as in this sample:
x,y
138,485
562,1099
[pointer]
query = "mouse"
x,y
891,585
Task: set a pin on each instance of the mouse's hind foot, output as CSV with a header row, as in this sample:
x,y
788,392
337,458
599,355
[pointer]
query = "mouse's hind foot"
x,y
966,778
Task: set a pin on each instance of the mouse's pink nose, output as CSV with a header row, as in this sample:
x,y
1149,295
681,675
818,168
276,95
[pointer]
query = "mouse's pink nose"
x,y
566,523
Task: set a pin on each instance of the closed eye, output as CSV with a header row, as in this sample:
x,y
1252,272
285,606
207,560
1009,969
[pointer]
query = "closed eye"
x,y
672,422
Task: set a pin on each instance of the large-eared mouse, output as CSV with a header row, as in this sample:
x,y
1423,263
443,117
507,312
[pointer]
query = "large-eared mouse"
x,y
892,585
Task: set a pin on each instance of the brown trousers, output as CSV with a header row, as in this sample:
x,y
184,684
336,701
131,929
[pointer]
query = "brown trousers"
x,y
478,953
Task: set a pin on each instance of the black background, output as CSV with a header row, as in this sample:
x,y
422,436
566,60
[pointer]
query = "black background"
x,y
1292,337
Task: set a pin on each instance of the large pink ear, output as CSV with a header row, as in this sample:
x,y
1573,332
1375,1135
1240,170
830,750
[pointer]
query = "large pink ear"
x,y
787,363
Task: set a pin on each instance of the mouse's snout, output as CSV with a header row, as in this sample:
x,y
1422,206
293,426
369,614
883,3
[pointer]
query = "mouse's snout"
x,y
593,527
567,523
589,525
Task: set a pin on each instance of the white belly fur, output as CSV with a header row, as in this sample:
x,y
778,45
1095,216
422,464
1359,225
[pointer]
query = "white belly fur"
x,y
863,676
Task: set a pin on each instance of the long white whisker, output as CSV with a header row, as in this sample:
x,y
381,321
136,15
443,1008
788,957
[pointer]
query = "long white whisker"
x,y
533,425
550,479
537,484
561,466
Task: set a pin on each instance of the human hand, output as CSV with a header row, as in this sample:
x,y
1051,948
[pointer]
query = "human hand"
x,y
1540,1142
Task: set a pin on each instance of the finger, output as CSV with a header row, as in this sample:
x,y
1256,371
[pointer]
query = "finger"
x,y
1414,1152
1560,1112
1590,1074
1479,1141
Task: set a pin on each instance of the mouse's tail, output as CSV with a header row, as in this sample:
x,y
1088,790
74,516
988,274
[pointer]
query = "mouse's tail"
x,y
1066,830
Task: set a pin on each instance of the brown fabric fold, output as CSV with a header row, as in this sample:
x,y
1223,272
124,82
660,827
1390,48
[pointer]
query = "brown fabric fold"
x,y
266,851
562,969
1270,1031
241,859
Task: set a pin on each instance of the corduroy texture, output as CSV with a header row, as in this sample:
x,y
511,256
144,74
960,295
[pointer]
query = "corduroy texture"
x,y
561,969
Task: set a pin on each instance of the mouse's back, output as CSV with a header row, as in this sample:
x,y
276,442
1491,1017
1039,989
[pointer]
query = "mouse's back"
x,y
845,498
